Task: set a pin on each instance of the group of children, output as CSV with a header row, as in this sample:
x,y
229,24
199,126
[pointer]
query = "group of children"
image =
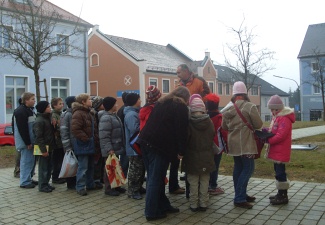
x,y
97,121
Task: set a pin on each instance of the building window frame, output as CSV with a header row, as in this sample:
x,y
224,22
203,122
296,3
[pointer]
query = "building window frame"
x,y
5,36
220,86
211,86
165,86
254,90
62,44
56,85
314,67
94,60
316,89
153,81
227,89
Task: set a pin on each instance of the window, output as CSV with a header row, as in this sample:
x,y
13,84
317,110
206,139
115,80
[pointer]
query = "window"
x,y
165,86
15,87
153,81
267,118
219,88
94,60
227,89
211,86
314,67
5,34
254,90
265,102
59,88
316,88
63,43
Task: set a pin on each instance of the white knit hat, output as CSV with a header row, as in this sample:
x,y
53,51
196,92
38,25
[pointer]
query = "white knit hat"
x,y
239,88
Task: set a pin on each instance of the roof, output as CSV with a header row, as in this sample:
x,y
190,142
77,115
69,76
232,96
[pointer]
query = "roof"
x,y
314,40
11,5
159,58
225,75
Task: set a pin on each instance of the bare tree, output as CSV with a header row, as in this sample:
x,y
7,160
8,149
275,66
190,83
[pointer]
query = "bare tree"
x,y
316,78
27,29
248,63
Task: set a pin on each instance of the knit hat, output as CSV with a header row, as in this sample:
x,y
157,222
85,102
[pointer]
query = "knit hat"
x,y
212,101
124,97
69,100
239,88
131,98
196,104
41,106
275,102
153,94
108,103
97,102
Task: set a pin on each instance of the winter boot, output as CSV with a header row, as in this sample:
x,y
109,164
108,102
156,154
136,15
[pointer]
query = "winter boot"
x,y
280,199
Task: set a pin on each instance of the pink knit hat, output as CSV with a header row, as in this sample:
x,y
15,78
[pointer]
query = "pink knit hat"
x,y
275,102
196,104
239,88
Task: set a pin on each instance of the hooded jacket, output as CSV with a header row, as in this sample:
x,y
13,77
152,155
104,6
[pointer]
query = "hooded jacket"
x,y
111,136
240,138
144,114
131,126
44,132
66,130
279,149
198,158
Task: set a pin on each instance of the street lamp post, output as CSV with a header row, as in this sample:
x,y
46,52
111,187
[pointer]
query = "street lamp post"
x,y
298,91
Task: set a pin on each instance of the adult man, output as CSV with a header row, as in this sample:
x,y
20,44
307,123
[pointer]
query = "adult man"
x,y
195,85
24,119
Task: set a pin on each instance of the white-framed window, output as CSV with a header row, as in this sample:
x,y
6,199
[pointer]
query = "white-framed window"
x,y
5,34
267,118
219,88
15,87
153,81
227,89
211,85
59,87
316,88
63,43
254,90
314,67
265,102
94,60
165,85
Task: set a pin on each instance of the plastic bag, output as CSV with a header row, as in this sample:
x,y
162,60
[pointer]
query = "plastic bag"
x,y
114,171
69,165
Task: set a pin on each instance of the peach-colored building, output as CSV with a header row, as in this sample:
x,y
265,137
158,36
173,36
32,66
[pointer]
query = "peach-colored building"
x,y
120,64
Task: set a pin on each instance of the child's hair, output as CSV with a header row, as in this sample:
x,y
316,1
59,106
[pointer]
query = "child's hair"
x,y
82,97
55,101
26,96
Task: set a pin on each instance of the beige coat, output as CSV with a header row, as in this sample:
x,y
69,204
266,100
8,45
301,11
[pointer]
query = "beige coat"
x,y
240,137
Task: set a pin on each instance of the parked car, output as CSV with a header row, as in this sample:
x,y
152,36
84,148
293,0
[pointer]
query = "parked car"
x,y
6,135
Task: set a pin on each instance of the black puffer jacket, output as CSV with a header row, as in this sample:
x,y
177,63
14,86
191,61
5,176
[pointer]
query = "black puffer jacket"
x,y
44,132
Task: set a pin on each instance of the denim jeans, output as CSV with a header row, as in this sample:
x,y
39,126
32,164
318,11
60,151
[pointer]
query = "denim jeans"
x,y
156,165
44,171
173,175
243,170
124,160
27,162
280,172
213,182
85,172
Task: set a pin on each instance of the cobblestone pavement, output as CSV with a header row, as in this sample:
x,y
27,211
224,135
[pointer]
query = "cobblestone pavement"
x,y
62,206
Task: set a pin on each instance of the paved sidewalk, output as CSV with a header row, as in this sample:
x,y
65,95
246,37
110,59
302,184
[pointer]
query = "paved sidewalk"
x,y
306,132
62,206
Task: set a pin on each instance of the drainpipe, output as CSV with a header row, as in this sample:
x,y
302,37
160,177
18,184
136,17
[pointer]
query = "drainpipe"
x,y
86,62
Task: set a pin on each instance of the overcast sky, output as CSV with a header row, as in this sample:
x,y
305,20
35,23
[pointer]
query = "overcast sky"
x,y
198,26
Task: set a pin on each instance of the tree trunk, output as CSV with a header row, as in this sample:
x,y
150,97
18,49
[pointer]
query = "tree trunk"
x,y
37,83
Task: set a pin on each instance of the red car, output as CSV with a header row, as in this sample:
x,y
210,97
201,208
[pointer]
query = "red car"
x,y
6,135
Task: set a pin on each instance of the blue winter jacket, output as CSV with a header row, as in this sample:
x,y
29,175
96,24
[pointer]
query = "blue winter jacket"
x,y
131,125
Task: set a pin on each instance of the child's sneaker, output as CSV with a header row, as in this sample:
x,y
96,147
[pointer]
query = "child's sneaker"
x,y
216,191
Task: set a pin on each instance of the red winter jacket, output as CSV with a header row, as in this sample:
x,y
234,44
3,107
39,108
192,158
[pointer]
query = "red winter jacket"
x,y
216,118
144,114
280,144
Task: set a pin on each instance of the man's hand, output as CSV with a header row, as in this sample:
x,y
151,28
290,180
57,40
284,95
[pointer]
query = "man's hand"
x,y
29,146
45,154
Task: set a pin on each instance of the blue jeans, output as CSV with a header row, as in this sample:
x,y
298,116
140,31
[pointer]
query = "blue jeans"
x,y
213,182
27,162
156,165
243,170
280,172
85,172
173,175
124,160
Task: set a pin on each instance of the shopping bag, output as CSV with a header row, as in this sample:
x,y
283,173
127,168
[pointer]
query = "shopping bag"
x,y
114,171
69,165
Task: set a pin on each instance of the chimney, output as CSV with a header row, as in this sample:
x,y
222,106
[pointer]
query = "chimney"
x,y
207,54
96,27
